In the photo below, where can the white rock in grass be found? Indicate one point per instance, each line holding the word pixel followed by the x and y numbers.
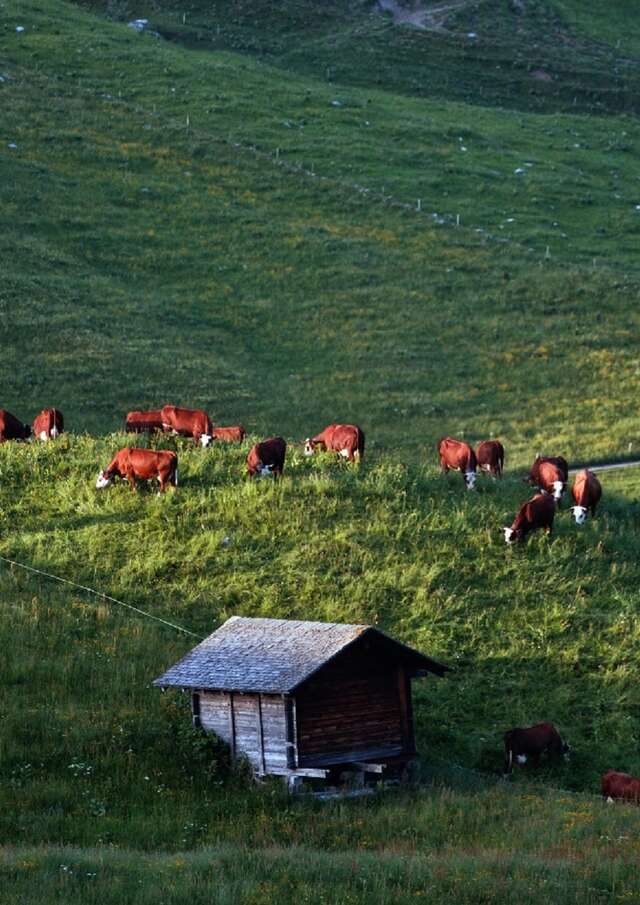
pixel 19 28
pixel 12 145
pixel 519 171
pixel 336 104
pixel 138 24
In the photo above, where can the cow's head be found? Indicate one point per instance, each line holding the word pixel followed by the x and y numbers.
pixel 566 751
pixel 103 480
pixel 512 535
pixel 205 440
pixel 470 479
pixel 557 490
pixel 308 447
pixel 265 471
pixel 580 514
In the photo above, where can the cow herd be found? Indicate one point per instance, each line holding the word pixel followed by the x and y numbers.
pixel 267 458
pixel 549 474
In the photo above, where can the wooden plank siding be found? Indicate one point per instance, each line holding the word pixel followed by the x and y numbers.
pixel 253 725
pixel 355 708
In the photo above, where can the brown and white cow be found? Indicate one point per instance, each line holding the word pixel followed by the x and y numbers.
pixel 345 439
pixel 143 422
pixel 550 473
pixel 520 745
pixel 621 786
pixel 48 425
pixel 11 428
pixel 187 423
pixel 458 456
pixel 233 434
pixel 266 459
pixel 490 456
pixel 538 512
pixel 141 464
pixel 586 492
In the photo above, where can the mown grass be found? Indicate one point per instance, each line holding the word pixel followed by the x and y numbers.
pixel 149 258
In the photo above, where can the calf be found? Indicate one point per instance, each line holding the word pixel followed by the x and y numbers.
pixel 187 423
pixel 143 464
pixel 533 742
pixel 458 456
pixel 621 786
pixel 267 458
pixel 550 474
pixel 586 492
pixel 490 456
pixel 538 512
pixel 235 434
pixel 143 422
pixel 48 425
pixel 345 439
pixel 11 428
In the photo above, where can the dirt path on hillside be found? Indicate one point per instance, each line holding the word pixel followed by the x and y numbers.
pixel 606 466
pixel 432 18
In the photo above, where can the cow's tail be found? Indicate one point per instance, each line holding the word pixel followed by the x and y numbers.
pixel 360 450
pixel 501 461
pixel 508 754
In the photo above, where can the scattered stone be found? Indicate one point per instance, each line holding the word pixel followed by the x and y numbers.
pixel 519 171
pixel 337 104
pixel 12 145
pixel 541 75
pixel 19 28
pixel 472 35
pixel 138 24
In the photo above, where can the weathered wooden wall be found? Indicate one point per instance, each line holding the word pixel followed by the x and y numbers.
pixel 357 707
pixel 253 725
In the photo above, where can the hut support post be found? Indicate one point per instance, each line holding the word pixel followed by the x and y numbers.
pixel 232 728
pixel 263 765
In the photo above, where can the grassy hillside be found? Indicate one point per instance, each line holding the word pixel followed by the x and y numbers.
pixel 297 214
pixel 198 227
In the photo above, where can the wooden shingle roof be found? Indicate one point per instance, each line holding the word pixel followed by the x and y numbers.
pixel 275 655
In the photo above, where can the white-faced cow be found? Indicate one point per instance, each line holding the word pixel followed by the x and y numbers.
pixel 48 425
pixel 521 745
pixel 344 439
pixel 458 456
pixel 586 492
pixel 266 459
pixel 490 456
pixel 621 786
pixel 187 423
pixel 143 465
pixel 550 474
pixel 11 428
pixel 538 512
pixel 143 422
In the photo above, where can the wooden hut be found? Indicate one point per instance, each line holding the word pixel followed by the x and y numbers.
pixel 301 698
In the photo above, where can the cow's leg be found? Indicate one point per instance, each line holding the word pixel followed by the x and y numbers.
pixel 130 476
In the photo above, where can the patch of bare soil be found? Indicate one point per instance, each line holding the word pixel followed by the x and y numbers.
pixel 432 18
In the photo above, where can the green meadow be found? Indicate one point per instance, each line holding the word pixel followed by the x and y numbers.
pixel 291 214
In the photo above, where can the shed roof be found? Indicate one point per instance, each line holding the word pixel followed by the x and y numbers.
pixel 275 655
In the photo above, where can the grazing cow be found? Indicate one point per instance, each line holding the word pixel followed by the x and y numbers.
pixel 620 785
pixel 538 512
pixel 458 456
pixel 522 744
pixel 267 458
pixel 143 422
pixel 187 423
pixel 345 439
pixel 235 434
pixel 490 456
pixel 11 428
pixel 586 492
pixel 143 464
pixel 549 473
pixel 48 425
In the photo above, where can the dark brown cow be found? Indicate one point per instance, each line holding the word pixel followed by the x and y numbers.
pixel 538 512
pixel 141 464
pixel 234 434
pixel 522 744
pixel 11 428
pixel 458 456
pixel 490 456
pixel 267 458
pixel 620 786
pixel 187 423
pixel 586 492
pixel 345 439
pixel 550 473
pixel 143 422
pixel 48 425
